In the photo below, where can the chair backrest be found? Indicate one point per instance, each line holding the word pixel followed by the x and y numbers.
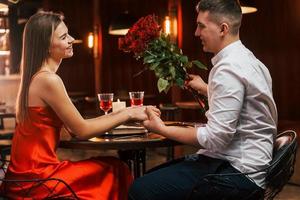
pixel 282 165
pixel 49 188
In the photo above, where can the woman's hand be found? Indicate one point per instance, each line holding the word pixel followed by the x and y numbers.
pixel 153 123
pixel 139 113
pixel 197 83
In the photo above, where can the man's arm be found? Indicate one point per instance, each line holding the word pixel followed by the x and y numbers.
pixel 225 103
pixel 180 134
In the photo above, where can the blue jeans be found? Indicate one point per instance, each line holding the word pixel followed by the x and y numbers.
pixel 184 179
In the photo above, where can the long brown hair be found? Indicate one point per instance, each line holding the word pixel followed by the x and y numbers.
pixel 36 43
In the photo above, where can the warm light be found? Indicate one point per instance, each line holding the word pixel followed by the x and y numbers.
pixel 174 29
pixel 96 41
pixel 121 24
pixel 3 30
pixel 248 9
pixel 4 53
pixel 77 41
pixel 3 8
pixel 167 26
pixel 91 40
pixel 119 31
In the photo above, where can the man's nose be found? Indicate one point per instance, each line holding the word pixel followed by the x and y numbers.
pixel 197 32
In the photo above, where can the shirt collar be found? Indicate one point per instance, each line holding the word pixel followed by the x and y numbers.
pixel 225 51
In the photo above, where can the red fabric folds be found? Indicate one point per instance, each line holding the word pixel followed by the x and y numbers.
pixel 33 155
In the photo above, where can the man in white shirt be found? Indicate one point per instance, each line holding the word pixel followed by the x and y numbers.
pixel 241 126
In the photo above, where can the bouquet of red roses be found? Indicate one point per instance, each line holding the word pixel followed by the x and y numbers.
pixel 146 41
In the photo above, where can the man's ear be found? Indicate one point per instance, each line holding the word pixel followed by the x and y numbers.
pixel 224 29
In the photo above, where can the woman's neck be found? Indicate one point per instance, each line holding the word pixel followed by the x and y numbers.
pixel 50 65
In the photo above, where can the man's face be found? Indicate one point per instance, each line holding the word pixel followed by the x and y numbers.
pixel 209 32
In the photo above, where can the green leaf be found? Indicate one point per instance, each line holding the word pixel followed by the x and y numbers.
pixel 162 84
pixel 149 59
pixel 167 88
pixel 184 59
pixel 172 71
pixel 199 64
pixel 180 82
pixel 188 65
pixel 158 72
pixel 154 65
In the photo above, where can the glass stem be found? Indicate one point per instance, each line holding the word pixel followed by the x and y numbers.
pixel 105 112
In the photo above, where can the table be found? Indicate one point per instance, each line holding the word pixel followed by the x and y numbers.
pixel 5 113
pixel 131 148
pixel 193 105
pixel 6 133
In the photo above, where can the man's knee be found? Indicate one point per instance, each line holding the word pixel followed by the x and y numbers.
pixel 136 190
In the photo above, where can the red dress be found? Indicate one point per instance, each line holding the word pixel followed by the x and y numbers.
pixel 33 156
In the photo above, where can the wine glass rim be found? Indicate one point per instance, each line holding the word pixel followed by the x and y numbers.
pixel 105 93
pixel 137 92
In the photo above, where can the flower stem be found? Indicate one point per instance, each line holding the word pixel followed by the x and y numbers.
pixel 140 72
pixel 201 99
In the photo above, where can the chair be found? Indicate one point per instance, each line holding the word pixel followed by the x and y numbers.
pixel 48 186
pixel 278 172
pixel 6 133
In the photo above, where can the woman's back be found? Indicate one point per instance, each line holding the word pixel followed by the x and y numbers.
pixel 35 142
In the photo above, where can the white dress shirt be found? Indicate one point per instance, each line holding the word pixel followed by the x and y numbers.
pixel 242 115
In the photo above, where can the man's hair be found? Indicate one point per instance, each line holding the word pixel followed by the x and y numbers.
pixel 228 11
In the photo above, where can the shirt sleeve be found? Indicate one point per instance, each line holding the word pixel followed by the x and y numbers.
pixel 225 103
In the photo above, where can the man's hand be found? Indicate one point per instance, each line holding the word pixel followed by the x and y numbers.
pixel 153 123
pixel 140 114
pixel 197 83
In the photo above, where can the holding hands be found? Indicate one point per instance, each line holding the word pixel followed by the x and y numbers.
pixel 139 113
pixel 153 122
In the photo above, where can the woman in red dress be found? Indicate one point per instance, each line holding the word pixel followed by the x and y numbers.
pixel 43 107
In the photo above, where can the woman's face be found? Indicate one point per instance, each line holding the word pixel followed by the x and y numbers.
pixel 61 43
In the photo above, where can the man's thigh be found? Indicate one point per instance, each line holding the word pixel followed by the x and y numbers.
pixel 172 182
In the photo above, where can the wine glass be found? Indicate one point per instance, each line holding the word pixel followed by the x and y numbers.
pixel 105 101
pixel 136 98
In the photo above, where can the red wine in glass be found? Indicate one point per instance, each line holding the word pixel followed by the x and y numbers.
pixel 136 102
pixel 105 101
pixel 105 105
pixel 136 98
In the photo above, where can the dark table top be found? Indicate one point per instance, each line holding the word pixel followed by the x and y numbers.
pixel 128 142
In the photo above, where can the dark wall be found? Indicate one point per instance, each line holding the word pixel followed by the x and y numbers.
pixel 76 72
pixel 271 33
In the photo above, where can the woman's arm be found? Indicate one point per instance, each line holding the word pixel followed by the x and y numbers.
pixel 53 93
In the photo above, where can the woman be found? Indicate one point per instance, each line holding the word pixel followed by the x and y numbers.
pixel 43 106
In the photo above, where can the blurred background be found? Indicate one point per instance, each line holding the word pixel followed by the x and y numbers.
pixel 271 33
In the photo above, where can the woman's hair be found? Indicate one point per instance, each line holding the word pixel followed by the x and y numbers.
pixel 37 37
pixel 229 10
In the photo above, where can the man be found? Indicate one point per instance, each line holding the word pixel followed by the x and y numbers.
pixel 241 126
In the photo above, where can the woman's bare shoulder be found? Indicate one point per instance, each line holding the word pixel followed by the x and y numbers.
pixel 47 79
